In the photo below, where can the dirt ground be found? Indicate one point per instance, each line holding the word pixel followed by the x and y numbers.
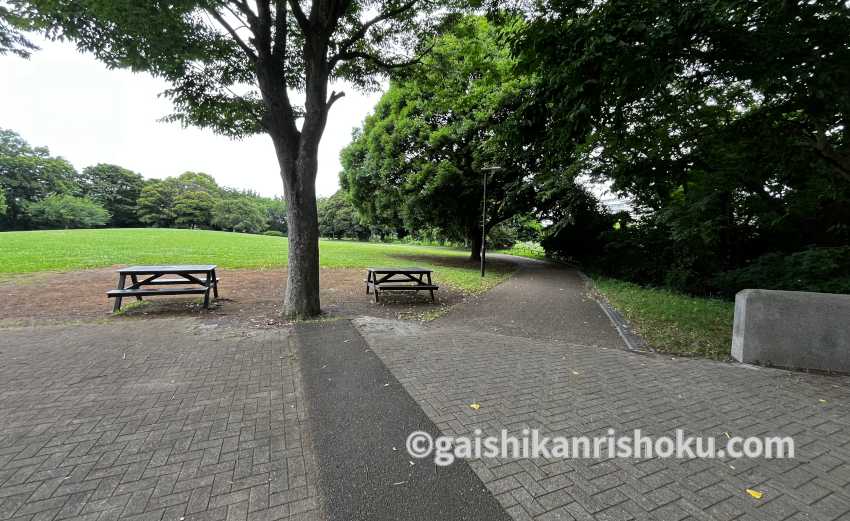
pixel 247 296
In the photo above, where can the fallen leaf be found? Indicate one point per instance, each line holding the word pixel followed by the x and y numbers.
pixel 822 400
pixel 474 406
pixel 755 493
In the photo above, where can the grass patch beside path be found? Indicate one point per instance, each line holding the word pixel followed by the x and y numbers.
pixel 68 250
pixel 673 322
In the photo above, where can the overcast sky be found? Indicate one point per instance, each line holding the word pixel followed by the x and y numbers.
pixel 88 114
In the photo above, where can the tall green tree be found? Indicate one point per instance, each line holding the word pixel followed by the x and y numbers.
pixel 422 154
pixel 156 202
pixel 194 208
pixel 3 206
pixel 239 214
pixel 66 211
pixel 116 189
pixel 232 66
pixel 338 218
pixel 29 174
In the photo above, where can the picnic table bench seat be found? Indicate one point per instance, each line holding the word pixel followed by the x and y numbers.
pixel 399 279
pixel 194 279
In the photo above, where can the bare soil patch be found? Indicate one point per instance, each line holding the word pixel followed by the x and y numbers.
pixel 247 296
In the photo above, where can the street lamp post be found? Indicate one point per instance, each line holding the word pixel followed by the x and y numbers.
pixel 486 169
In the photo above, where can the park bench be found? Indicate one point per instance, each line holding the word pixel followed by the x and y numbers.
pixel 194 279
pixel 399 279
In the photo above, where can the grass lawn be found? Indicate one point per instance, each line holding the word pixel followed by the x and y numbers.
pixel 67 250
pixel 672 322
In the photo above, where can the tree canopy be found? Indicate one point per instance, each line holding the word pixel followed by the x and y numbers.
pixel 725 122
pixel 116 189
pixel 420 158
pixel 29 174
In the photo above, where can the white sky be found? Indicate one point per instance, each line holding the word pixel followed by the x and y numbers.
pixel 88 114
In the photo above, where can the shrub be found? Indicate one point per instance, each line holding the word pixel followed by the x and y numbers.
pixel 825 270
pixel 66 211
pixel 274 233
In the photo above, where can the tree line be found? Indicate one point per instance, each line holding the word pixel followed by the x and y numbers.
pixel 41 191
pixel 725 124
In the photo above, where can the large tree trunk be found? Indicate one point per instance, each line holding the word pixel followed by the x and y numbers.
pixel 302 282
pixel 298 172
pixel 475 240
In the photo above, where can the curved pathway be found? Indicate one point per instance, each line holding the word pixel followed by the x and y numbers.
pixel 537 352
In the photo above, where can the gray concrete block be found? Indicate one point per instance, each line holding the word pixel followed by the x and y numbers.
pixel 793 329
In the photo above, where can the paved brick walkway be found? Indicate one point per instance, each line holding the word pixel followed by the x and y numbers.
pixel 566 388
pixel 185 422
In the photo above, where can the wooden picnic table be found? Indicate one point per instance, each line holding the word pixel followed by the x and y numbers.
pixel 399 279
pixel 194 279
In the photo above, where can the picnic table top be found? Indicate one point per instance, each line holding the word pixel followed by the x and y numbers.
pixel 399 270
pixel 174 268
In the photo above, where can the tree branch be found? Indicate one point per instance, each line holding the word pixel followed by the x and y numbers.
pixel 244 46
pixel 355 55
pixel 334 96
pixel 302 19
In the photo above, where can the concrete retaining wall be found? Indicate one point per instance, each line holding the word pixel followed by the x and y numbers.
pixel 792 329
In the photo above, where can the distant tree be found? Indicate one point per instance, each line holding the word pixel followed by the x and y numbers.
pixel 3 206
pixel 338 218
pixel 116 189
pixel 275 213
pixel 67 211
pixel 156 202
pixel 193 208
pixel 198 182
pixel 29 174
pixel 239 214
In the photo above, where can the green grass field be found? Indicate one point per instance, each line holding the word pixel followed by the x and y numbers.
pixel 673 322
pixel 67 250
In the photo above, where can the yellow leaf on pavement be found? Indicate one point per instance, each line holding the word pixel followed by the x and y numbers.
pixel 755 493
pixel 474 406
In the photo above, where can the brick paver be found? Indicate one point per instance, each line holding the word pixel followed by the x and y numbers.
pixel 572 389
pixel 152 420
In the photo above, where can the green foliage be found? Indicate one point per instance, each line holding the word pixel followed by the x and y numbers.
pixel 12 40
pixel 156 202
pixel 420 158
pixel 825 270
pixel 3 206
pixel 66 211
pixel 338 218
pixel 724 122
pixel 275 210
pixel 116 189
pixel 274 233
pixel 239 214
pixel 28 175
pixel 193 208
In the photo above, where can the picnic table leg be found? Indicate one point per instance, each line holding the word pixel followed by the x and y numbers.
pixel 368 280
pixel 135 282
pixel 122 278
pixel 432 291
pixel 215 284
pixel 207 292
